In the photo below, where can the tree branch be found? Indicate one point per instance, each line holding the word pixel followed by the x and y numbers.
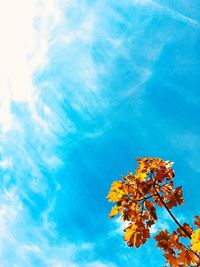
pixel 176 221
pixel 171 214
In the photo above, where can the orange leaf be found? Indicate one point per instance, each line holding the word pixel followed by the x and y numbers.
pixel 197 221
pixel 187 228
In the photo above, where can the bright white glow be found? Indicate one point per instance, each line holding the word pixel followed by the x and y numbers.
pixel 24 36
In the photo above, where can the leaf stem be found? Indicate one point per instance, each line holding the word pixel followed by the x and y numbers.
pixel 145 198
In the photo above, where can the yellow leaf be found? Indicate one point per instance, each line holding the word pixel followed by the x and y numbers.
pixel 116 185
pixel 196 241
pixel 129 231
pixel 140 176
pixel 114 211
pixel 115 193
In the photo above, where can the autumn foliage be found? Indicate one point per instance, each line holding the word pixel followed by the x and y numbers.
pixel 136 197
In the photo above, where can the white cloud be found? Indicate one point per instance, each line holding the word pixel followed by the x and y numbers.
pixel 84 33
pixel 29 243
pixel 22 50
pixel 53 162
pixel 6 163
pixel 119 226
pixel 160 225
pixel 17 37
pixel 26 35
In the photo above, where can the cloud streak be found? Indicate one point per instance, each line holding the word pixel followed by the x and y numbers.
pixel 170 12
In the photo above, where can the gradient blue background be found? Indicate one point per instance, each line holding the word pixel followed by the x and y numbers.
pixel 121 80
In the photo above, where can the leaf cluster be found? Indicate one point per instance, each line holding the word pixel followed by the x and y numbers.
pixel 136 197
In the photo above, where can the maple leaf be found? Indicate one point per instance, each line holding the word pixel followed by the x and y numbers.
pixel 136 234
pixel 187 229
pixel 195 241
pixel 197 221
pixel 178 195
pixel 174 198
pixel 172 260
pixel 141 176
pixel 162 238
pixel 116 192
pixel 129 231
pixel 114 212
pixel 152 211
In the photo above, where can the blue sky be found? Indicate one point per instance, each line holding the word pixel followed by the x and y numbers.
pixel 86 87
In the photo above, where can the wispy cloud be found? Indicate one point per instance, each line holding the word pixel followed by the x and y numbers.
pixel 170 12
pixel 188 143
pixel 6 163
pixel 26 33
pixel 31 126
pixel 30 243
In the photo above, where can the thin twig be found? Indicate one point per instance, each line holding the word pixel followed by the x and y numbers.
pixel 176 221
pixel 171 214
